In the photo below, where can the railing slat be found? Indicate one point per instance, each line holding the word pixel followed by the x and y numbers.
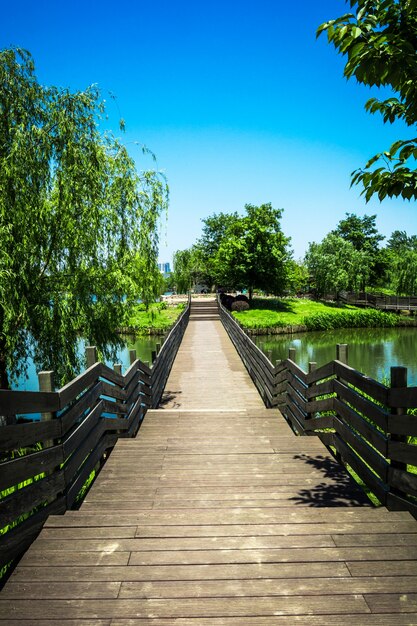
pixel 25 467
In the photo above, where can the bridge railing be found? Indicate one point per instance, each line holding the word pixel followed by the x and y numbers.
pixel 379 301
pixel 45 463
pixel 371 428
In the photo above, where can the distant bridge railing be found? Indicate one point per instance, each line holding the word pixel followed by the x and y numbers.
pixel 379 301
pixel 44 464
pixel 369 427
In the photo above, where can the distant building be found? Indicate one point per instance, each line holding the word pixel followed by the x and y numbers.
pixel 164 268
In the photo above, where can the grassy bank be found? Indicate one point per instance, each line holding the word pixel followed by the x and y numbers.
pixel 156 320
pixel 268 313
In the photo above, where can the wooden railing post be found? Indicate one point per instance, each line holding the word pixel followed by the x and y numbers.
pixel 90 355
pixel 132 356
pixel 312 365
pixel 342 353
pixel 291 354
pixel 117 368
pixel 398 380
pixel 46 383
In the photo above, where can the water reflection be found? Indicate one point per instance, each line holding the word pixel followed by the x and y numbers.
pixel 143 346
pixel 371 350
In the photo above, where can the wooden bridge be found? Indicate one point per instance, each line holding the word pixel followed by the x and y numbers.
pixel 216 513
pixel 380 301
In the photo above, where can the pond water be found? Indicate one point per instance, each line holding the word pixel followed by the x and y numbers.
pixel 143 346
pixel 371 350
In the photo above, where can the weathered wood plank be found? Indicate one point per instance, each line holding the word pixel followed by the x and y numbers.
pixel 24 467
pixel 184 607
pixel 242 571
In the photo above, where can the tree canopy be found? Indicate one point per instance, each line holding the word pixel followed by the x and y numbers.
pixel 238 252
pixel 360 231
pixel 335 265
pixel 380 42
pixel 254 251
pixel 78 223
pixel 189 268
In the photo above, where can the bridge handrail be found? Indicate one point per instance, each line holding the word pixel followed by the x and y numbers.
pixel 368 426
pixel 44 464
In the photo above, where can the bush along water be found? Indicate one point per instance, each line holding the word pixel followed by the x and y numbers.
pixel 366 318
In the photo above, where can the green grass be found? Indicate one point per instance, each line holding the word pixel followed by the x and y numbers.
pixel 275 313
pixel 156 319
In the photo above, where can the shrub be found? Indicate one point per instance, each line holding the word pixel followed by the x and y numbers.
pixel 242 298
pixel 366 318
pixel 227 301
pixel 240 305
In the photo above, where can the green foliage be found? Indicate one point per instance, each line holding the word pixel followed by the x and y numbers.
pixel 188 268
pixel 78 224
pixel 364 236
pixel 157 318
pixel 215 229
pixel 360 231
pixel 364 318
pixel 380 41
pixel 274 312
pixel 335 265
pixel 406 272
pixel 400 242
pixel 240 305
pixel 253 253
pixel 297 276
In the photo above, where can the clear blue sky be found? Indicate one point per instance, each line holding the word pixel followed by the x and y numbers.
pixel 238 101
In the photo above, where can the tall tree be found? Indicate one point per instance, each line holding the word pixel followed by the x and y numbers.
pixel 401 251
pixel 406 272
pixel 189 268
pixel 254 251
pixel 74 215
pixel 360 231
pixel 400 241
pixel 364 236
pixel 335 265
pixel 215 228
pixel 380 42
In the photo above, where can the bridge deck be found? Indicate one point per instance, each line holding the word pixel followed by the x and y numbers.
pixel 216 514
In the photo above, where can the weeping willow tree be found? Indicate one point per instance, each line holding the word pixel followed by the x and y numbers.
pixel 78 224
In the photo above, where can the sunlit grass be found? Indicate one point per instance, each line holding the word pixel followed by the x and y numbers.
pixel 275 313
pixel 156 319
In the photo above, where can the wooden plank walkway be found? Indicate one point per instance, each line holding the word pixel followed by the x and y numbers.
pixel 216 514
